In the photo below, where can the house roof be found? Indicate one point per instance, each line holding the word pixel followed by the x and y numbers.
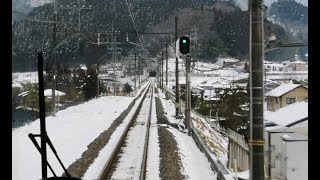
pixel 15 84
pixel 294 137
pixel 281 90
pixel 48 93
pixel 290 115
pixel 301 128
pixel 197 88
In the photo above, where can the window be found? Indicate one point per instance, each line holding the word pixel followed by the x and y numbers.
pixel 290 100
pixel 277 100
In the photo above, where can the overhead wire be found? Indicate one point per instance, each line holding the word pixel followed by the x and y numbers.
pixel 133 21
pixel 38 20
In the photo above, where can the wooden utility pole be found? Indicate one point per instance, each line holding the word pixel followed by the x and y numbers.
pixel 177 69
pixel 166 89
pixel 166 65
pixel 162 70
pixel 256 91
pixel 54 64
pixel 135 70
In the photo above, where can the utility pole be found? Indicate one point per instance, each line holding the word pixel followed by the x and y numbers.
pixel 139 64
pixel 162 70
pixel 188 94
pixel 177 69
pixel 159 67
pixel 135 70
pixel 54 42
pixel 256 91
pixel 114 49
pixel 166 65
pixel 55 12
pixel 98 63
pixel 78 8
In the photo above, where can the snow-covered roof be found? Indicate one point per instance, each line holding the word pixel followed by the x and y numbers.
pixel 267 62
pixel 23 94
pixel 301 128
pixel 83 68
pixel 207 86
pixel 228 59
pixel 15 84
pixel 278 129
pixel 48 92
pixel 289 114
pixel 294 136
pixel 197 88
pixel 298 62
pixel 281 90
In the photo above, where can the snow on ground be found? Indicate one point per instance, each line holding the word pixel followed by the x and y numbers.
pixel 70 131
pixel 218 143
pixel 194 162
pixel 98 164
pixel 215 141
pixel 25 77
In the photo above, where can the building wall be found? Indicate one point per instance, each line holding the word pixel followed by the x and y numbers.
pixel 298 67
pixel 273 103
pixel 300 94
pixel 275 145
pixel 295 160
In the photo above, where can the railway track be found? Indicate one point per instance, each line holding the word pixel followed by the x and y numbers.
pixel 128 160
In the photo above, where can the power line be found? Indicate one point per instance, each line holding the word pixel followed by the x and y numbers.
pixel 38 20
pixel 133 21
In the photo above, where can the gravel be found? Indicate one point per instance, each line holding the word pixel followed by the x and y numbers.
pixel 170 162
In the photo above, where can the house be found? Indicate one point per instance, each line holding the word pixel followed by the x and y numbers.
pixel 197 91
pixel 282 145
pixel 271 85
pixel 285 139
pixel 58 94
pixel 16 88
pixel 285 94
pixel 298 65
pixel 206 86
pixel 210 95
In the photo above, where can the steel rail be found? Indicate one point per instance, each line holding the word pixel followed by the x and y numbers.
pixel 108 165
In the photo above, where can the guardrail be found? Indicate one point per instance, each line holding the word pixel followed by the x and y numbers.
pixel 222 172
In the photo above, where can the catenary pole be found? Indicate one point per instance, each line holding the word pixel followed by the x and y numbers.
pixel 256 141
pixel 54 64
pixel 162 70
pixel 177 69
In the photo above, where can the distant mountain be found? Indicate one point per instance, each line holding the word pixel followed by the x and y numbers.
pixel 219 28
pixel 292 15
pixel 25 6
pixel 243 4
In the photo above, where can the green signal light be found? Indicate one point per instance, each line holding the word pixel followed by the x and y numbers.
pixel 184 41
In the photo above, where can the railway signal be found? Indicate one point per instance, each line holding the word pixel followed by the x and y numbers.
pixel 184 44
